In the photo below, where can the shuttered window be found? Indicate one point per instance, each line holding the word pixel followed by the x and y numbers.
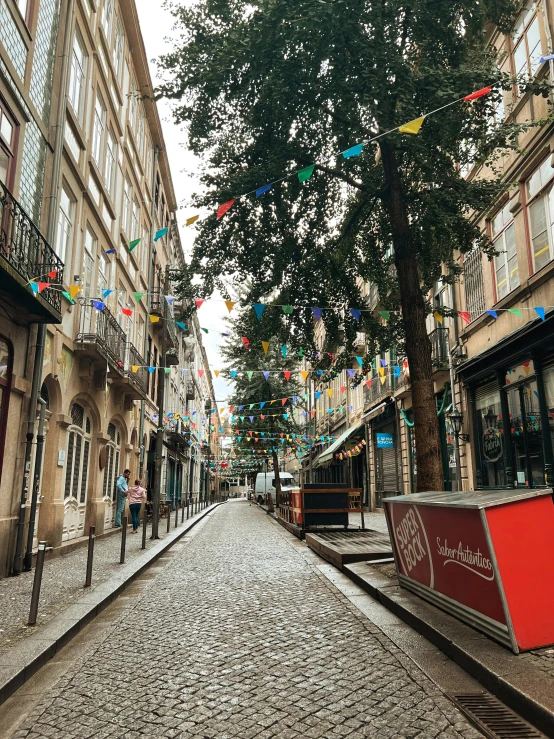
pixel 78 455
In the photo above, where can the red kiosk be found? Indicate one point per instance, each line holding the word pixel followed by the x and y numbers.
pixel 485 557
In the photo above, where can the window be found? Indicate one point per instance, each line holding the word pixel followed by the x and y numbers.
pixel 78 455
pixel 24 7
pixel 90 248
pixel 111 472
pixel 140 133
pixel 121 296
pixel 540 210
pixel 104 280
pixel 135 225
pixel 144 251
pixel 474 284
pixel 106 20
pixel 127 200
pixel 109 168
pixel 6 357
pixel 506 268
pixel 65 226
pixel 77 76
pixel 526 42
pixel 140 335
pixel 98 129
pixel 133 94
pixel 118 49
pixel 8 132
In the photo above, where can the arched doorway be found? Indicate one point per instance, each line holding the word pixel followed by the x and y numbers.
pixel 79 439
pixel 111 472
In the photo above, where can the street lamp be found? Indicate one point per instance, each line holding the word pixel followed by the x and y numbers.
pixel 456 419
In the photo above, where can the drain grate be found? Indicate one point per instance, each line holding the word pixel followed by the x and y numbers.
pixel 492 717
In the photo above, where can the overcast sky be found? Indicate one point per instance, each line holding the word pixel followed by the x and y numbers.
pixel 156 24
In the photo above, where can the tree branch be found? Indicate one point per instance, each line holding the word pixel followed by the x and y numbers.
pixel 342 176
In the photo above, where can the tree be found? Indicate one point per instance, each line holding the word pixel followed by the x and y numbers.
pixel 262 406
pixel 267 88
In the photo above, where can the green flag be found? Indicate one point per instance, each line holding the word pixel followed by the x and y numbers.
pixel 287 309
pixel 132 244
pixel 384 314
pixel 516 312
pixel 167 370
pixel 138 296
pixel 305 174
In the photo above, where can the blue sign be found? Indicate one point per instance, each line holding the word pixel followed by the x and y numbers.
pixel 385 441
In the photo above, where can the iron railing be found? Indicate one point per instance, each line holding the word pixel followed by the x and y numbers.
pixel 474 284
pixel 138 379
pixel 439 347
pixel 25 249
pixel 101 330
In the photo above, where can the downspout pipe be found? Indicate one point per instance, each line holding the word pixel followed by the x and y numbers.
pixel 28 561
pixel 55 185
pixel 150 282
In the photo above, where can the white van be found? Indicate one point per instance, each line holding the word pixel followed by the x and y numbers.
pixel 265 484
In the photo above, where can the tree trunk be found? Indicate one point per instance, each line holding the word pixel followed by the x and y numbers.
pixel 275 460
pixel 418 345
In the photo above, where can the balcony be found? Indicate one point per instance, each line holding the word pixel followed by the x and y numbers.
pixel 138 381
pixel 190 390
pixel 159 307
pixel 24 256
pixel 439 348
pixel 101 339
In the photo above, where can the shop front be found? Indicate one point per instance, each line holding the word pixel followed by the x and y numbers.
pixel 386 454
pixel 510 391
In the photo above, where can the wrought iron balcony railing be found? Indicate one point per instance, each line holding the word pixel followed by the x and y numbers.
pixel 439 347
pixel 25 249
pixel 139 378
pixel 99 331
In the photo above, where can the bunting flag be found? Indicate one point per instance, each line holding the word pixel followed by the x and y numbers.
pixel 230 305
pixel 262 190
pixel 245 342
pixel 105 293
pixel 287 309
pixel 182 326
pixel 492 313
pixel 74 289
pixel 266 375
pixel 154 319
pixel 284 351
pixel 317 313
pixel 169 299
pixel 161 233
pixel 383 362
pixel 368 383
pixel 351 372
pixel 167 370
pixel 98 304
pixel 305 174
pixel 287 375
pixel 464 315
pixel 330 392
pixel 383 380
pixel 200 372
pixel 52 274
pixel 265 347
pixel 259 309
pixel 67 296
pixel 540 313
pixel 199 304
pixel 205 330
pixel 134 368
pixel 216 373
pixel 354 151
pixel 233 374
pixel 138 296
pixel 224 208
pixel 133 244
pixel 515 311
pixel 438 316
pixel 304 375
pixel 283 401
pixel 412 126
pixel 479 93
pixel 191 220
pixel 127 312
pixel 110 251
pixel 356 313
pixel 360 361
pixel 250 373
pixel 151 369
pixel 384 314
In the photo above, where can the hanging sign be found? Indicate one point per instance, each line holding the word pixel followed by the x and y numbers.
pixel 385 441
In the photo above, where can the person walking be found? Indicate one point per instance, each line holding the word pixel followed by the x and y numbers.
pixel 121 485
pixel 136 495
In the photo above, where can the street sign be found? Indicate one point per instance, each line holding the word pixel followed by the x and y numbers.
pixel 385 441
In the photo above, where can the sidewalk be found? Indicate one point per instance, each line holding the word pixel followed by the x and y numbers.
pixel 65 605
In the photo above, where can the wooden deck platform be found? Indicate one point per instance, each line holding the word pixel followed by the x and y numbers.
pixel 343 547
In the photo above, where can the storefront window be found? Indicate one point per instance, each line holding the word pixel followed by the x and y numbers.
pixel 490 436
pixel 526 434
pixel 548 376
pixel 5 378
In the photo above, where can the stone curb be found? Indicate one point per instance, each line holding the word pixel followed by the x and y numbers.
pixel 21 662
pixel 527 689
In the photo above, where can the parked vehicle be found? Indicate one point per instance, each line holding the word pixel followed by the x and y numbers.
pixel 265 485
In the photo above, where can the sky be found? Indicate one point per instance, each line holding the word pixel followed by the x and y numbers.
pixel 156 24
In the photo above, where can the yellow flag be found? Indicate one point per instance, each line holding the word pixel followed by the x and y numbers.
pixel 74 289
pixel 154 319
pixel 330 392
pixel 191 220
pixel 382 380
pixel 438 316
pixel 134 368
pixel 412 126
pixel 272 402
pixel 230 305
pixel 304 375
pixel 265 346
pixel 216 373
pixel 382 371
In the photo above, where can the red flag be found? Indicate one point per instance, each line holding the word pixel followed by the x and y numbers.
pixel 127 311
pixel 464 315
pixel 53 273
pixel 231 408
pixel 200 372
pixel 343 388
pixel 287 375
pixel 283 401
pixel 224 208
pixel 42 285
pixel 477 94
pixel 199 303
pixel 262 417
pixel 246 342
pixel 368 383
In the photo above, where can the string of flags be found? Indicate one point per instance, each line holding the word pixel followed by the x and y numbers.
pixel 412 127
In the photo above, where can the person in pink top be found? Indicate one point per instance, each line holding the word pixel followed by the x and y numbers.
pixel 135 495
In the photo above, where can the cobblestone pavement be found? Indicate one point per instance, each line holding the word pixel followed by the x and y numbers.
pixel 62 583
pixel 240 636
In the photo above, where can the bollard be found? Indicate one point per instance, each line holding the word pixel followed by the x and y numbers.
pixel 90 555
pixel 176 513
pixel 168 518
pixel 182 511
pixel 123 539
pixel 144 524
pixel 37 583
pixel 187 509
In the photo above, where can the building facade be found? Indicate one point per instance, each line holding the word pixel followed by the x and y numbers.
pixel 88 237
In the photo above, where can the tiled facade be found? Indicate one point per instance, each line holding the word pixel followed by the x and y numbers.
pixel 114 187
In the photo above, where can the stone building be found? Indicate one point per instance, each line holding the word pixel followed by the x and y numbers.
pixel 83 176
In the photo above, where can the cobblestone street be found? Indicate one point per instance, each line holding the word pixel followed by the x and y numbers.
pixel 240 636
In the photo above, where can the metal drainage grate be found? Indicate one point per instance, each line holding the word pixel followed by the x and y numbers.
pixel 492 717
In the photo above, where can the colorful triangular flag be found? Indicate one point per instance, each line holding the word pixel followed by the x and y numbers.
pixel 354 151
pixel 191 220
pixel 133 244
pixel 161 233
pixel 224 208
pixel 412 126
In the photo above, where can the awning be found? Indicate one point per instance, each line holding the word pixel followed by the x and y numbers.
pixel 327 455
